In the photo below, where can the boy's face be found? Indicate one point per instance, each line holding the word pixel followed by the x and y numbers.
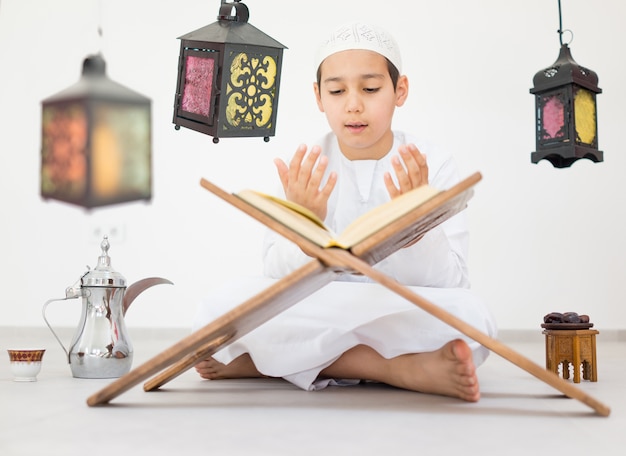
pixel 358 97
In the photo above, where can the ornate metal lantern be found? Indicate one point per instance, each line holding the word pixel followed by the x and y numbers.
pixel 96 142
pixel 228 78
pixel 566 112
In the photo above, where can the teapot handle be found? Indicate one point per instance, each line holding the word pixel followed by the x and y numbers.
pixel 43 311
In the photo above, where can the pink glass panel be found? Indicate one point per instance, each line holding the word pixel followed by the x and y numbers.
pixel 553 119
pixel 198 85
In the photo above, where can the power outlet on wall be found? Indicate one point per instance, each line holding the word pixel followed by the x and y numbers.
pixel 116 233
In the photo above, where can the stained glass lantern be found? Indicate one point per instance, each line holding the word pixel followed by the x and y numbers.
pixel 96 142
pixel 228 78
pixel 566 114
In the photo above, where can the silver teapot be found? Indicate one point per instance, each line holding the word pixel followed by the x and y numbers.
pixel 101 347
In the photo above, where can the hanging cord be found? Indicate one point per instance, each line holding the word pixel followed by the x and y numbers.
pixel 99 28
pixel 560 31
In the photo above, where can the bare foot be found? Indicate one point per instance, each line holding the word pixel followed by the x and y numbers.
pixel 240 367
pixel 449 371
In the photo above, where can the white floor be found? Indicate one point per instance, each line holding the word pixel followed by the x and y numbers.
pixel 517 414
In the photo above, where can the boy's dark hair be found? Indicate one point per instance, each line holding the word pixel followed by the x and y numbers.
pixel 393 73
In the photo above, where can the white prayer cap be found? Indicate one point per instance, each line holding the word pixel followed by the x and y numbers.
pixel 359 35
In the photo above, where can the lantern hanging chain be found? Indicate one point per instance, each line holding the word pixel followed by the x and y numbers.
pixel 560 31
pixel 100 33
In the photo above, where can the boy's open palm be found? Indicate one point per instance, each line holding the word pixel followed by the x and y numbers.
pixel 302 178
pixel 411 170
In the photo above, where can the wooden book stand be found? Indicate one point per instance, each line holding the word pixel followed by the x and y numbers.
pixel 325 266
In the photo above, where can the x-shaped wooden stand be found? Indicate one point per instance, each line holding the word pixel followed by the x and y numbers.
pixel 325 266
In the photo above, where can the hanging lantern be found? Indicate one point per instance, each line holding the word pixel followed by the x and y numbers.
pixel 96 142
pixel 566 113
pixel 228 78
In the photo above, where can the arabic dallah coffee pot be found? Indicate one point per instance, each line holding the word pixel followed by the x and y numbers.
pixel 101 347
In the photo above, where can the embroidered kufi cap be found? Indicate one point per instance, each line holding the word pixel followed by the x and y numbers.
pixel 359 35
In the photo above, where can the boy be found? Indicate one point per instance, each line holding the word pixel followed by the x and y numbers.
pixel 349 332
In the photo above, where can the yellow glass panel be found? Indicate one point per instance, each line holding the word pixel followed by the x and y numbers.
pixel 121 152
pixel 585 116
pixel 251 91
pixel 107 162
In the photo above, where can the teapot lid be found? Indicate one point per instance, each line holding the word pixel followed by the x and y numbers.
pixel 103 275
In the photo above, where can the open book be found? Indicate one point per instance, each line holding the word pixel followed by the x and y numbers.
pixel 307 224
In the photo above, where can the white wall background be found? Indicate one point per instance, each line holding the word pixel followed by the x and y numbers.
pixel 543 239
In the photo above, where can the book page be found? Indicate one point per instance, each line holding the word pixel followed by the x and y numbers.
pixel 290 214
pixel 381 216
pixel 299 209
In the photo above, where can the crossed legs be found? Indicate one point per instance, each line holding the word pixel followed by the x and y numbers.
pixel 448 371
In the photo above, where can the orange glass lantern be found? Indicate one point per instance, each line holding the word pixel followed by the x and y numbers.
pixel 228 78
pixel 96 142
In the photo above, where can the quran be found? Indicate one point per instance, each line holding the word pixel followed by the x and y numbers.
pixel 307 224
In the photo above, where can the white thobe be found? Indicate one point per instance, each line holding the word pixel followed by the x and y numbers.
pixel 300 342
pixel 439 259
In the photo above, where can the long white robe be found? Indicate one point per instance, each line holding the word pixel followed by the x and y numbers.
pixel 306 338
pixel 439 259
pixel 301 341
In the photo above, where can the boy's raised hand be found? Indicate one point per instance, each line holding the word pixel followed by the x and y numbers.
pixel 411 174
pixel 301 180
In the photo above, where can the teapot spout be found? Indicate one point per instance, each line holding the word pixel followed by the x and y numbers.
pixel 136 288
